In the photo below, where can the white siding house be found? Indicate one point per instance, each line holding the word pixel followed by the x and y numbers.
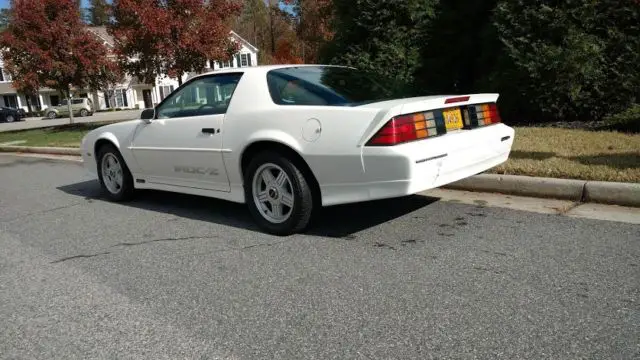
pixel 131 94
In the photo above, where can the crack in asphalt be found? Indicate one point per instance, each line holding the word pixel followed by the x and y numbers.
pixel 126 244
pixel 129 244
pixel 79 257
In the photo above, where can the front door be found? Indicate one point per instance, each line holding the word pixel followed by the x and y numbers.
pixel 146 97
pixel 182 146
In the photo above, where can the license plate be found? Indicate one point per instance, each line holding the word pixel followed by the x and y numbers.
pixel 452 119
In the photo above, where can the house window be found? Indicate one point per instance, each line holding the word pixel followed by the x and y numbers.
pixel 11 101
pixel 245 60
pixel 121 98
pixel 34 100
pixel 4 75
pixel 165 91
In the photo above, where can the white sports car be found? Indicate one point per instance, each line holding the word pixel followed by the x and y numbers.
pixel 288 139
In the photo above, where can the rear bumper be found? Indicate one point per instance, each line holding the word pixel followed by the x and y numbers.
pixel 414 167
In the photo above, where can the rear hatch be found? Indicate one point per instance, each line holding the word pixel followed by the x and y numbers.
pixel 450 137
pixel 403 120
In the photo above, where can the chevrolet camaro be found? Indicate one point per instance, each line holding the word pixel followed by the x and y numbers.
pixel 288 139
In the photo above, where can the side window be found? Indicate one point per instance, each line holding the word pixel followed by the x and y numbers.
pixel 296 91
pixel 205 96
pixel 77 101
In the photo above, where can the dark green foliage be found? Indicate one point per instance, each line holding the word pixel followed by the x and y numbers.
pixel 577 60
pixel 549 60
pixel 380 36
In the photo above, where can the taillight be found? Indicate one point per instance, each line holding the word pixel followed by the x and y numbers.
pixel 405 128
pixel 487 114
pixel 411 127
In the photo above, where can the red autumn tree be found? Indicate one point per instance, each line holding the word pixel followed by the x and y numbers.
pixel 172 37
pixel 46 44
pixel 285 53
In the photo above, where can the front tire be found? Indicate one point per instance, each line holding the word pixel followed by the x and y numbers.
pixel 278 195
pixel 84 112
pixel 10 118
pixel 51 115
pixel 114 175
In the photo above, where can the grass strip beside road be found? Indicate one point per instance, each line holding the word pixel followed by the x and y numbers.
pixel 546 152
pixel 69 135
pixel 574 154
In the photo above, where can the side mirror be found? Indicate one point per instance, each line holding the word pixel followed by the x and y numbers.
pixel 148 114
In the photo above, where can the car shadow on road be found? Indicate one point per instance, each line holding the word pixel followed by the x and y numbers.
pixel 340 221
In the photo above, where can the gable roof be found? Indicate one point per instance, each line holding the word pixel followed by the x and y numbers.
pixel 103 34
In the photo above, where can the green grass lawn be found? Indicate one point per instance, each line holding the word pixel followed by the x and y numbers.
pixel 59 136
pixel 548 152
pixel 574 154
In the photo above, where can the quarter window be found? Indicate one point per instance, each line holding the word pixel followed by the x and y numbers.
pixel 204 96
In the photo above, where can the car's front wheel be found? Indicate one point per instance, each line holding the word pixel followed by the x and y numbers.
pixel 51 115
pixel 114 175
pixel 278 195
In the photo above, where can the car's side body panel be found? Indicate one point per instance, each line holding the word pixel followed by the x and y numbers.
pixel 331 140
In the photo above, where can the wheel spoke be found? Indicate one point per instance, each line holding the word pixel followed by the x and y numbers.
pixel 281 179
pixel 287 199
pixel 267 177
pixel 263 196
pixel 276 209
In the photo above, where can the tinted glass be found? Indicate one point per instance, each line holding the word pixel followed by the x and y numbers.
pixel 204 96
pixel 77 101
pixel 325 85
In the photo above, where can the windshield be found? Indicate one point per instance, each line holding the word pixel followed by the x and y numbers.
pixel 326 85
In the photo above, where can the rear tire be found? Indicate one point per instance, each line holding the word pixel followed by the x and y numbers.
pixel 281 203
pixel 51 115
pixel 10 119
pixel 115 178
pixel 84 112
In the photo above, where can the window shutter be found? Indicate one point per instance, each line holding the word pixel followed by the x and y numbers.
pixel 124 97
pixel 161 92
pixel 249 59
pixel 238 60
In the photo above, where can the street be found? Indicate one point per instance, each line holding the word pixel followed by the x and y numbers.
pixel 171 276
pixel 34 123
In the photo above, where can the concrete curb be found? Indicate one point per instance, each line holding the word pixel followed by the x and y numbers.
pixel 624 194
pixel 40 150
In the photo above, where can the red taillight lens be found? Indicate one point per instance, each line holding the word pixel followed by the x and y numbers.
pixel 405 128
pixel 487 114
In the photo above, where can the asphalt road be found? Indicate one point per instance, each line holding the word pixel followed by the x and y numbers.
pixel 34 123
pixel 169 276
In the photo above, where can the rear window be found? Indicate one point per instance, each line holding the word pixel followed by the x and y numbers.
pixel 325 86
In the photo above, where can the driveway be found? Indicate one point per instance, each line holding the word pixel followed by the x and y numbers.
pixel 169 276
pixel 34 123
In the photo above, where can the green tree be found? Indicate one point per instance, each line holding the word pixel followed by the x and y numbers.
pixel 573 60
pixel 380 36
pixel 99 12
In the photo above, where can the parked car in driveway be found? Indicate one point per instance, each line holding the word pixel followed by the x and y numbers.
pixel 288 139
pixel 8 114
pixel 79 106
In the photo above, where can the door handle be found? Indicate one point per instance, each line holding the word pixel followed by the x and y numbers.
pixel 209 130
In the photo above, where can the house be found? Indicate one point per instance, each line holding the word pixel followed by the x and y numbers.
pixel 131 93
